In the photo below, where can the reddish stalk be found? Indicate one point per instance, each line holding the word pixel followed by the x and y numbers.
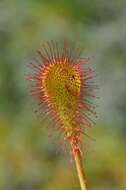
pixel 80 170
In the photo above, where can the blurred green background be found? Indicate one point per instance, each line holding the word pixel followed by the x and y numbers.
pixel 28 156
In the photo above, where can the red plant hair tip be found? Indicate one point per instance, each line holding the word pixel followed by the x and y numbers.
pixel 62 85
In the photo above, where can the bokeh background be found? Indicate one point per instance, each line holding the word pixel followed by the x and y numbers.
pixel 28 156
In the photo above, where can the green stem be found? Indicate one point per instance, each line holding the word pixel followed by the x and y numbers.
pixel 80 170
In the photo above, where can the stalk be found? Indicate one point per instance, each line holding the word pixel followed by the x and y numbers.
pixel 80 170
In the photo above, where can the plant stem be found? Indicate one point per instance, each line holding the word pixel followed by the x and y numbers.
pixel 80 170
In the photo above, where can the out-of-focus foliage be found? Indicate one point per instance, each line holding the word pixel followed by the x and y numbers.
pixel 28 158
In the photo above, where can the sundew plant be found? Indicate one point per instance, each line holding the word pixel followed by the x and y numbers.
pixel 62 83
